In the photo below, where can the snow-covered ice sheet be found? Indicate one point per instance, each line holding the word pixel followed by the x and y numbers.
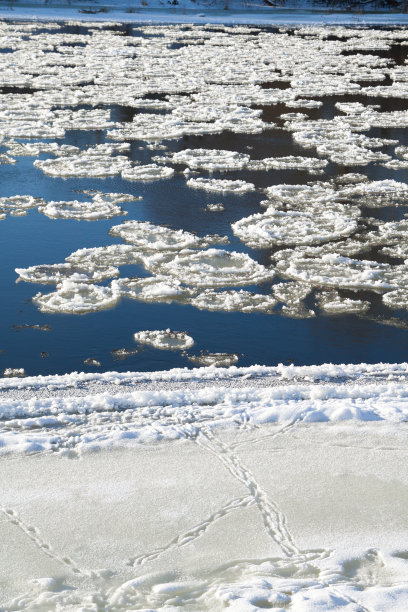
pixel 290 495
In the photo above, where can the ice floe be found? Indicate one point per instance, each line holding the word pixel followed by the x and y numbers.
pixel 333 270
pixel 152 289
pixel 56 273
pixel 149 237
pixel 84 165
pixel 89 211
pixel 209 268
pixel 333 303
pixel 274 228
pixel 242 301
pixel 150 172
pixel 76 298
pixel 165 339
pixel 222 185
pixel 216 360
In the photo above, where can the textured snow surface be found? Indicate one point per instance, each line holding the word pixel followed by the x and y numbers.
pixel 180 508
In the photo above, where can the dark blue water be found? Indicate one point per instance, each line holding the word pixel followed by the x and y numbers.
pixel 380 335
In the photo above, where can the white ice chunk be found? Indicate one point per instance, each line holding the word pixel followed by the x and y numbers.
pixel 165 339
pixel 83 165
pixel 88 211
pixel 333 303
pixel 150 172
pixel 149 237
pixel 216 360
pixel 56 273
pixel 242 301
pixel 210 159
pixel 152 289
pixel 222 185
pixel 278 228
pixel 77 298
pixel 209 268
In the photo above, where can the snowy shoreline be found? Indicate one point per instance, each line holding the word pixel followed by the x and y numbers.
pixel 81 412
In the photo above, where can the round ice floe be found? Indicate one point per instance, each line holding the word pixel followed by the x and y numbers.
pixel 377 193
pixel 152 289
pixel 77 298
pixel 333 270
pixel 292 162
pixel 242 301
pixel 110 198
pixel 396 299
pixel 210 268
pixel 19 205
pixel 210 159
pixel 88 211
pixel 333 303
pixel 83 165
pixel 221 185
pixel 277 228
pixel 149 237
pixel 165 339
pixel 217 360
pixel 150 172
pixel 104 257
pixel 56 273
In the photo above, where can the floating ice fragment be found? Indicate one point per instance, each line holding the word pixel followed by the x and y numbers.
pixel 56 273
pixel 217 360
pixel 88 211
pixel 152 289
pixel 215 207
pixel 291 162
pixel 333 303
pixel 149 237
pixel 77 298
pixel 334 270
pixel 242 301
pixel 19 205
pixel 209 268
pixel 221 185
pixel 150 172
pixel 11 372
pixel 292 296
pixel 122 353
pixel 210 159
pixel 83 165
pixel 92 362
pixel 165 339
pixel 273 227
pixel 396 299
pixel 105 257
